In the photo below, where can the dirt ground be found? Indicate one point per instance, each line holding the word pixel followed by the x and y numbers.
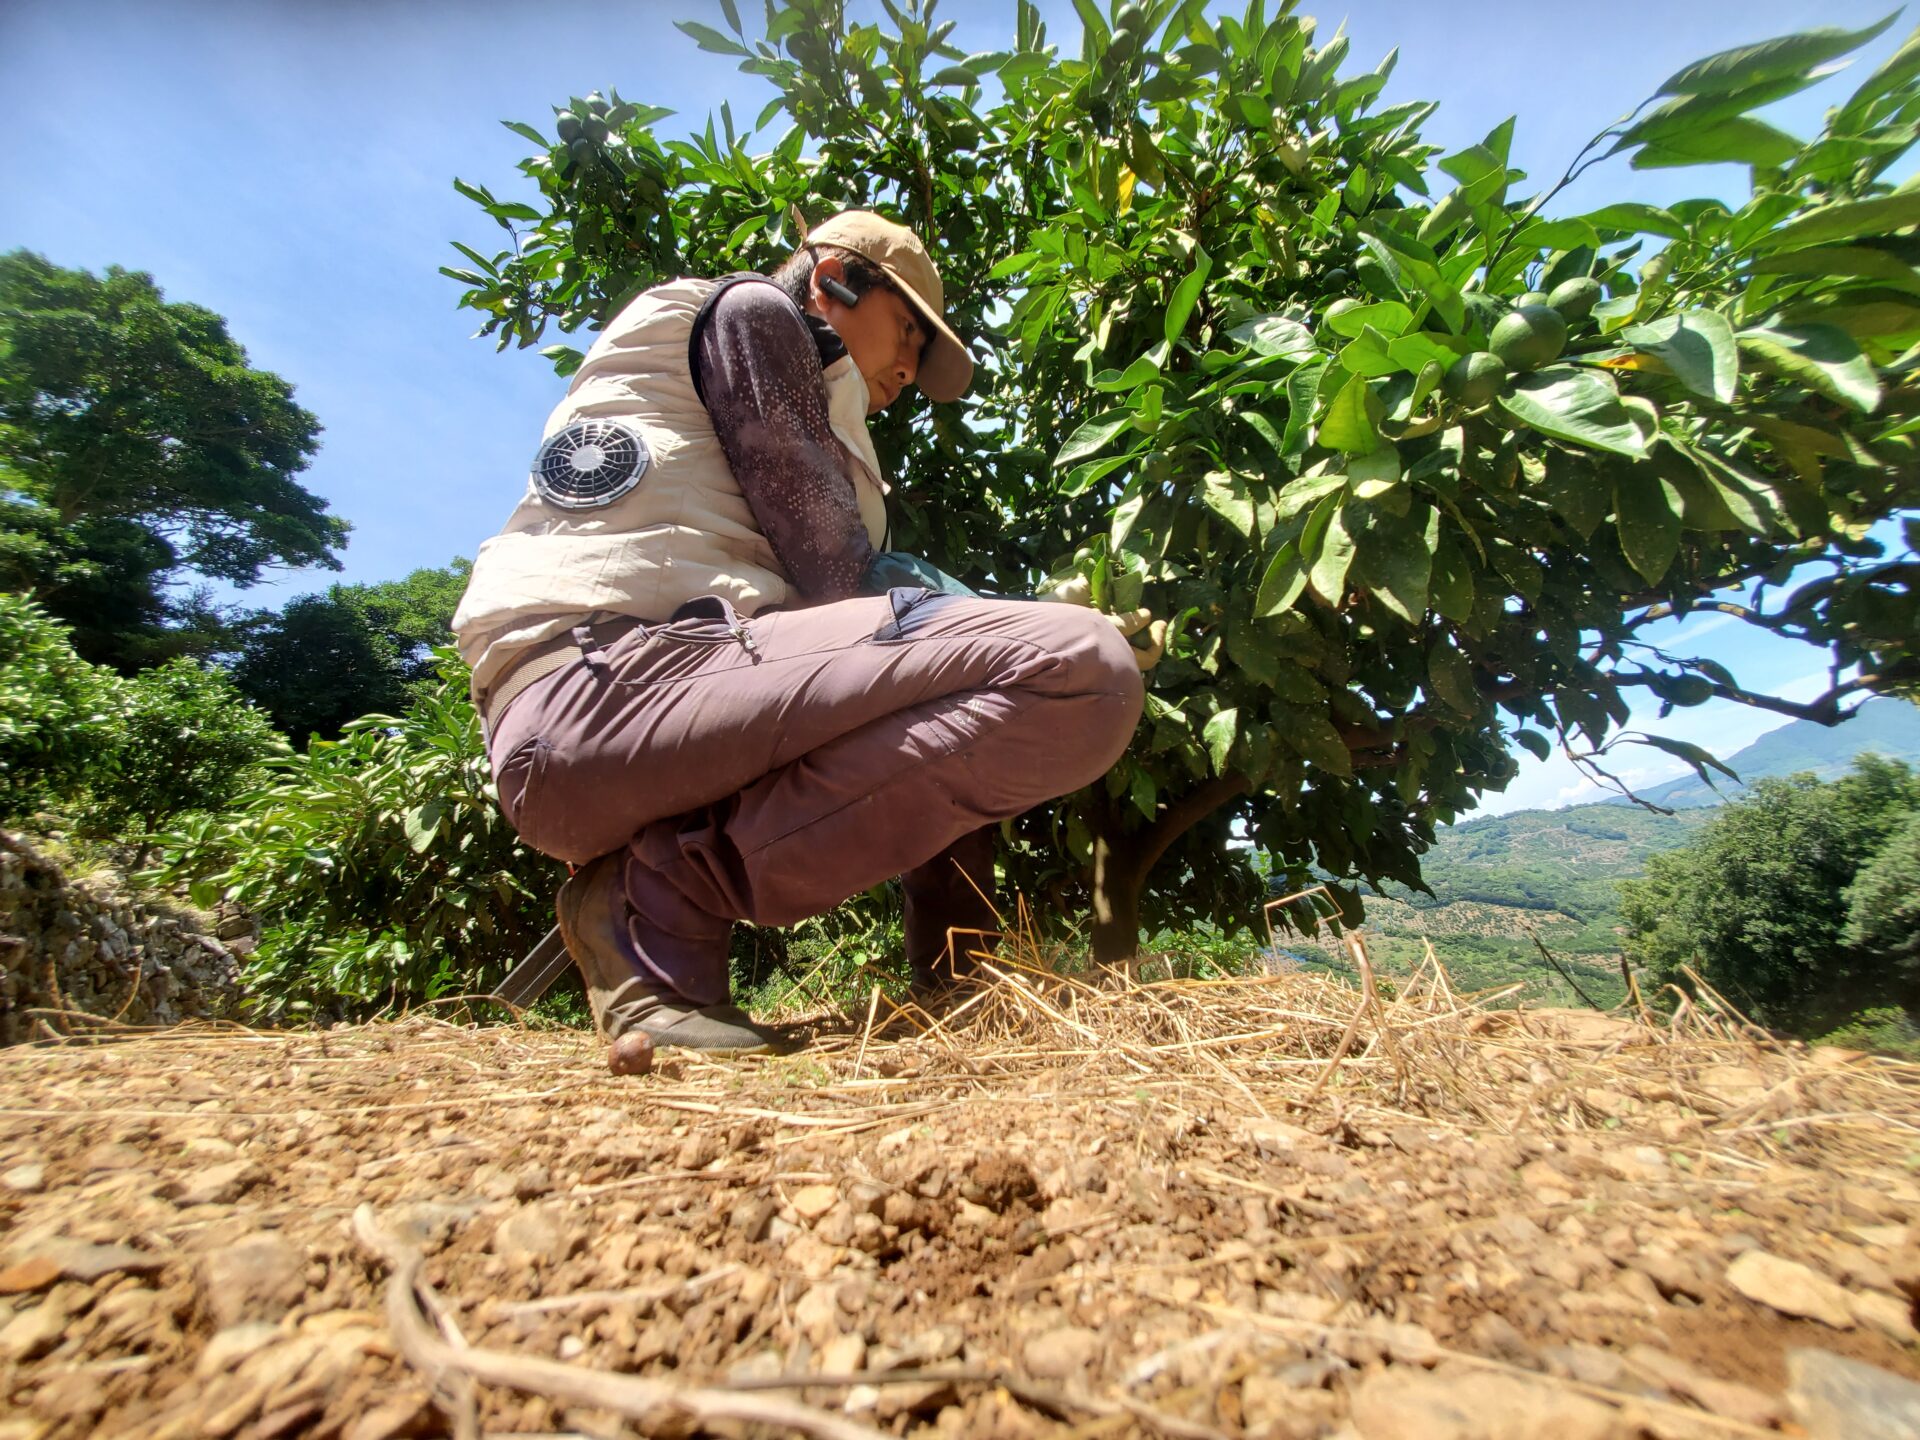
pixel 1158 1211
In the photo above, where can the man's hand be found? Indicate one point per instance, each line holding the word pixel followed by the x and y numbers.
pixel 1078 590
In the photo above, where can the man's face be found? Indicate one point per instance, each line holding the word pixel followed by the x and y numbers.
pixel 882 335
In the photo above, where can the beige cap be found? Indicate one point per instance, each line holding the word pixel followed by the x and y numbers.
pixel 946 369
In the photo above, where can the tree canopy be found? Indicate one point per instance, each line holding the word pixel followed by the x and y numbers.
pixel 325 659
pixel 1796 902
pixel 1407 464
pixel 137 443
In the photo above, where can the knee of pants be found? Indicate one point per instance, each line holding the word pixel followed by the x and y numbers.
pixel 1106 672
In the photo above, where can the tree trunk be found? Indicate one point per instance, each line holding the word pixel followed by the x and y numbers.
pixel 1116 901
pixel 1121 864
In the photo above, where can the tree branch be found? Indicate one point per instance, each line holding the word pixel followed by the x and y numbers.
pixel 1182 815
pixel 1823 711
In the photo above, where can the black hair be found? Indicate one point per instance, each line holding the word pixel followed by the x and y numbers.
pixel 795 275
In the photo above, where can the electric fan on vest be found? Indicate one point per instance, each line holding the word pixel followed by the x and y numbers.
pixel 590 463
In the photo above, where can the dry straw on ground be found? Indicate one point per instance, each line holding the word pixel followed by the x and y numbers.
pixel 1264 1206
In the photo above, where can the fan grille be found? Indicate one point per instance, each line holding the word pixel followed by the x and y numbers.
pixel 590 463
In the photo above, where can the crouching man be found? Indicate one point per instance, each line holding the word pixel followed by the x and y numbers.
pixel 688 691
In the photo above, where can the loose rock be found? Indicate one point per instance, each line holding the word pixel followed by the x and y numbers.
pixel 1839 1399
pixel 1791 1288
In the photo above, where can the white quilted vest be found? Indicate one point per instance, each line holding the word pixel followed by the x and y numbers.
pixel 685 530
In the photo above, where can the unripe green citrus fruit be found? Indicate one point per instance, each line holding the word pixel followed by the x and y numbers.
pixel 1475 379
pixel 1576 298
pixel 1529 338
pixel 1531 297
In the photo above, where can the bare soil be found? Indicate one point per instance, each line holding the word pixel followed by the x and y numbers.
pixel 1160 1210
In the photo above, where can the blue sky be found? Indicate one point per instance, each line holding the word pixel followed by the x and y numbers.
pixel 289 164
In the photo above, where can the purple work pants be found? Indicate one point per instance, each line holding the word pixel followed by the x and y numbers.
pixel 767 769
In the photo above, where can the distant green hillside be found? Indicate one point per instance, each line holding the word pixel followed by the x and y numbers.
pixel 1555 871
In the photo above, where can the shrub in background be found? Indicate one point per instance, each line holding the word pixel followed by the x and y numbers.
pixel 379 864
pixel 56 710
pixel 181 739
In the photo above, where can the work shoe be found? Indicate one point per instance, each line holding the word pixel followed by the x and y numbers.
pixel 592 910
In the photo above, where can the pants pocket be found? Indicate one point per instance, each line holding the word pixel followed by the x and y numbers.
pixel 520 782
pixel 909 605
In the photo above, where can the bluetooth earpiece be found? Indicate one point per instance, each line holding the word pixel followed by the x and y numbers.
pixel 832 287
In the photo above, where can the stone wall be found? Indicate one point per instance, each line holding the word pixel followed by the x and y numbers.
pixel 70 945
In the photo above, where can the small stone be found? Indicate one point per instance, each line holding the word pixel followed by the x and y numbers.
pixel 1455 1403
pixel 29 1275
pixel 810 1202
pixel 1670 1275
pixel 216 1185
pixel 817 1315
pixel 32 1333
pixel 572 1348
pixel 111 1155
pixel 843 1355
pixel 1840 1399
pixel 914 1399
pixel 532 1182
pixel 1880 1311
pixel 532 1236
pixel 230 1346
pixel 28 1179
pixel 261 1277
pixel 1277 1138
pixel 1791 1288
pixel 1063 1354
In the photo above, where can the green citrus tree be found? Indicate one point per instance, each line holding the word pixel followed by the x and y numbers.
pixel 1406 464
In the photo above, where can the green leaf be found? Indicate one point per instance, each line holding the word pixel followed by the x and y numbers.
pixel 1450 678
pixel 1647 512
pixel 954 75
pixel 1741 140
pixel 1226 495
pixel 1126 515
pixel 1328 545
pixel 1572 485
pixel 1749 65
pixel 1451 584
pixel 1847 221
pixel 1534 743
pixel 1303 388
pixel 710 39
pixel 1311 734
pixel 1414 352
pixel 1274 335
pixel 1389 317
pixel 1282 585
pixel 1822 358
pixel 732 14
pixel 1218 736
pixel 1083 477
pixel 1368 355
pixel 1185 295
pixel 1630 216
pixel 1894 71
pixel 1697 345
pixel 1394 560
pixel 1701 760
pixel 527 132
pixel 1092 437
pixel 1854 262
pixel 1352 418
pixel 1575 405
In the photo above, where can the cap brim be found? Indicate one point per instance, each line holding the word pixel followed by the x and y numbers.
pixel 946 366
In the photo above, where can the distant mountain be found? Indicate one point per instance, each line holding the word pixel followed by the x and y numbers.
pixel 1890 728
pixel 1500 882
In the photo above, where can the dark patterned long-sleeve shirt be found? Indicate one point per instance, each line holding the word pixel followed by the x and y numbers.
pixel 757 364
